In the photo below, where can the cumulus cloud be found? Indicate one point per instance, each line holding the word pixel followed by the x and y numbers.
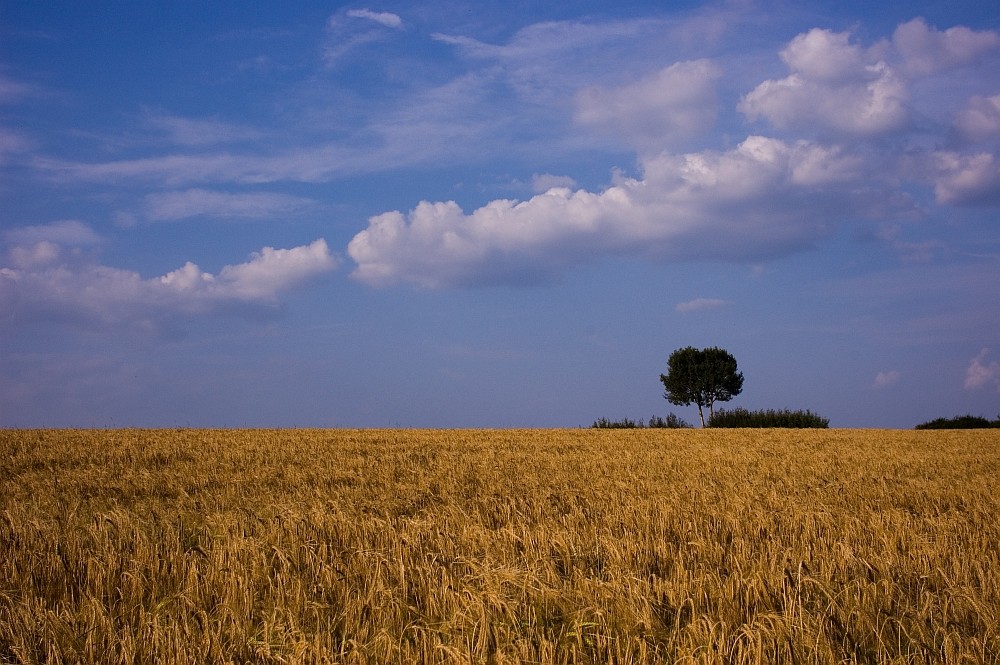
pixel 197 202
pixel 886 379
pixel 757 200
pixel 966 179
pixel 925 50
pixel 980 120
pixel 836 84
pixel 659 111
pixel 982 372
pixel 700 304
pixel 833 84
pixel 49 281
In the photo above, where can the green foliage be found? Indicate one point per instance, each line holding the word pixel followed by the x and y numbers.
pixel 624 423
pixel 672 421
pixel 655 422
pixel 770 418
pixel 967 421
pixel 702 377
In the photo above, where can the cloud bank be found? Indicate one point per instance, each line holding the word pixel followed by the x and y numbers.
pixel 758 200
pixel 51 279
pixel 765 197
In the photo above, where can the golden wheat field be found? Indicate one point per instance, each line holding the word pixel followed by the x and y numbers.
pixel 499 546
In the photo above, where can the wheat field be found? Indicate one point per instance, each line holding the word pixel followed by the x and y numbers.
pixel 499 546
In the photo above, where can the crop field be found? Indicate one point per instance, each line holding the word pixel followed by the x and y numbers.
pixel 499 546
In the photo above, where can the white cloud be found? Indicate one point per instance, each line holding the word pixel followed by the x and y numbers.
pixel 826 57
pixel 387 19
pixel 63 232
pixel 886 379
pixel 199 131
pixel 749 202
pixel 78 290
pixel 838 85
pixel 966 179
pixel 12 143
pixel 926 50
pixel 344 35
pixel 982 372
pixel 833 84
pixel 272 271
pixel 700 304
pixel 980 120
pixel 41 253
pixel 304 164
pixel 196 202
pixel 543 182
pixel 668 107
pixel 12 91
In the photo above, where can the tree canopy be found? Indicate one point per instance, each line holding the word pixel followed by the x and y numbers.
pixel 702 377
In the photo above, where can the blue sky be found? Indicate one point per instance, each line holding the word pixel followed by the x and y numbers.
pixel 469 214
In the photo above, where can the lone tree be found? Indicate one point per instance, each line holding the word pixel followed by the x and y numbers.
pixel 702 377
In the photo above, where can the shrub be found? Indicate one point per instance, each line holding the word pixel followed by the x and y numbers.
pixel 967 421
pixel 671 421
pixel 624 423
pixel 770 418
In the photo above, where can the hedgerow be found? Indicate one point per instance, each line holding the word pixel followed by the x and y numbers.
pixel 740 417
pixel 960 422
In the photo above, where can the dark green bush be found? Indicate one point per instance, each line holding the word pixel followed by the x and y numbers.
pixel 624 423
pixel 771 418
pixel 960 422
pixel 671 421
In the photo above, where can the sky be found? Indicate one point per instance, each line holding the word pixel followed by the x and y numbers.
pixel 459 213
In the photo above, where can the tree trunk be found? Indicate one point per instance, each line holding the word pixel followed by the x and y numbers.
pixel 701 414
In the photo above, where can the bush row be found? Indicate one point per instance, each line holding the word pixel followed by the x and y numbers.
pixel 960 422
pixel 671 421
pixel 770 418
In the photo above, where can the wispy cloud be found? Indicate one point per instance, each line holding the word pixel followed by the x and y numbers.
pixel 69 232
pixel 12 91
pixel 388 19
pixel 668 107
pixel 982 372
pixel 700 304
pixel 198 202
pixel 199 131
pixel 345 34
pixel 886 378
pixel 543 182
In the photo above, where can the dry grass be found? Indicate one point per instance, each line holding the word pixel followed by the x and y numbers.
pixel 571 546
